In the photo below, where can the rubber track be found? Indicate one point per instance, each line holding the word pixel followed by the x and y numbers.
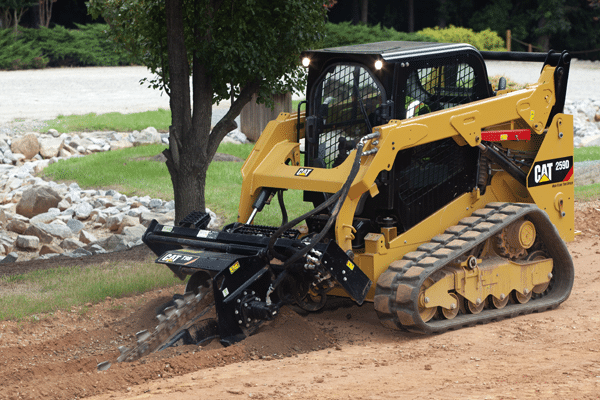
pixel 185 316
pixel 397 290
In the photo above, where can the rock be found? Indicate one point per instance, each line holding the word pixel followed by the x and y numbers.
pixel 56 230
pixel 87 237
pixel 80 252
pixel 83 210
pixel 147 136
pixel 53 132
pixel 147 217
pixel 37 200
pixel 50 249
pixel 46 217
pixel 10 257
pixel 114 243
pixel 51 147
pixel 95 249
pixel 238 136
pixel 3 219
pixel 155 203
pixel 63 205
pixel 113 222
pixel 120 144
pixel 28 145
pixel 27 243
pixel 597 117
pixel 133 233
pixel 75 225
pixel 17 226
pixel 44 237
pixel 71 244
pixel 127 221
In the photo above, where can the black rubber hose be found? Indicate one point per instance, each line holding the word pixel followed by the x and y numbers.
pixel 284 216
pixel 341 197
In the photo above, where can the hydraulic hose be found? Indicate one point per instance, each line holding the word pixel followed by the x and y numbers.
pixel 339 199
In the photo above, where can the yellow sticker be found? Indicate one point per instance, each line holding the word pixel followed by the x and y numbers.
pixel 504 136
pixel 532 115
pixel 350 265
pixel 234 267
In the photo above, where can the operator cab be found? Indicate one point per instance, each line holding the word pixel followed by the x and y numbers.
pixel 355 88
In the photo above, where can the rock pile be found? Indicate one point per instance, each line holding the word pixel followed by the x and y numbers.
pixel 40 218
pixel 586 121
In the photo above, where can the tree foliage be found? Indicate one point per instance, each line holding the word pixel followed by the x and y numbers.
pixel 231 48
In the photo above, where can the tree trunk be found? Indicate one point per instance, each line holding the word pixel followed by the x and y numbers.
pixel 365 11
pixel 355 12
pixel 411 15
pixel 189 195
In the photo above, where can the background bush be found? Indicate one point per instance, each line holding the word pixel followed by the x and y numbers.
pixel 345 33
pixel 484 40
pixel 57 47
pixel 16 53
pixel 88 45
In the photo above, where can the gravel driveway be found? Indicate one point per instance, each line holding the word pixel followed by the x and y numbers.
pixel 45 94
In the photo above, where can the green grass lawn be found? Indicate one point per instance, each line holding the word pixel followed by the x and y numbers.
pixel 62 288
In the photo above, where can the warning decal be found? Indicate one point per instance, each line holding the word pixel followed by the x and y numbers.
pixel 550 171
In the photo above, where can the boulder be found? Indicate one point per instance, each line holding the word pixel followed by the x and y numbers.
pixel 75 225
pixel 113 222
pixel 133 233
pixel 28 145
pixel 127 221
pixel 95 249
pixel 10 257
pixel 56 230
pixel 37 200
pixel 87 237
pixel 50 249
pixel 28 243
pixel 17 226
pixel 147 136
pixel 51 147
pixel 71 244
pixel 114 243
pixel 3 219
pixel 120 144
pixel 83 210
pixel 44 237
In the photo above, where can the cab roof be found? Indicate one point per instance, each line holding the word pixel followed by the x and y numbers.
pixel 395 50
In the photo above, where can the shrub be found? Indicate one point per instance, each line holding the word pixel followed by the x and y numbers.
pixel 484 40
pixel 15 53
pixel 88 45
pixel 344 34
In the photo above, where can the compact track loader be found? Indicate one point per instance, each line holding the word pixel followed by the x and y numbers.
pixel 443 202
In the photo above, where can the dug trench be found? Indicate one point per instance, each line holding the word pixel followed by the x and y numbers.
pixel 342 352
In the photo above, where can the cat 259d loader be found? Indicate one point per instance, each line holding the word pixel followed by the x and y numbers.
pixel 442 201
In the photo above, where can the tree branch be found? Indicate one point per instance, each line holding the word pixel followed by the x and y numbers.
pixel 227 123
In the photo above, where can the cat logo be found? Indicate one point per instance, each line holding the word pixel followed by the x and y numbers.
pixel 542 172
pixel 551 171
pixel 304 172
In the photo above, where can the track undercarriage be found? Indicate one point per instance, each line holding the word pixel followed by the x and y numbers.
pixel 504 260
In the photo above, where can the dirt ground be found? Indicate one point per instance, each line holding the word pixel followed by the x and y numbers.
pixel 341 353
